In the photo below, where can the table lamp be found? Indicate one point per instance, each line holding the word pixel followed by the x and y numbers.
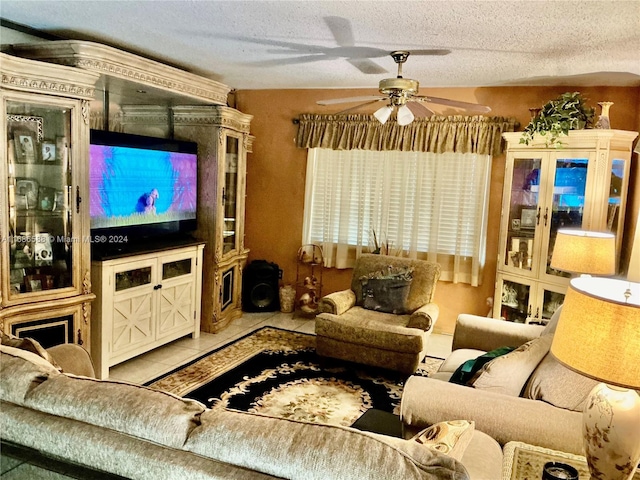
pixel 584 252
pixel 598 335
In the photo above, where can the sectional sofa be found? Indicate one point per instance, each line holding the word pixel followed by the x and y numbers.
pixel 50 402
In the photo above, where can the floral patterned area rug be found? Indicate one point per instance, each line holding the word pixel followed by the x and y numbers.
pixel 276 372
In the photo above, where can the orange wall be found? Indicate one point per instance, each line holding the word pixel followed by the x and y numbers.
pixel 276 175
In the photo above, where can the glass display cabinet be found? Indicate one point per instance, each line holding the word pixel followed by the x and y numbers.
pixel 223 136
pixel 44 227
pixel 583 185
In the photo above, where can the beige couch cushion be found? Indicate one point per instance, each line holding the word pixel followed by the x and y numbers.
pixel 385 331
pixel 142 412
pixel 450 437
pixel 20 372
pixel 554 383
pixel 509 373
pixel 305 451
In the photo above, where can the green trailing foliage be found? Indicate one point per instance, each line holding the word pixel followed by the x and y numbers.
pixel 568 112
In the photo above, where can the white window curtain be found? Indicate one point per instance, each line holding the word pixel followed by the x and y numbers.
pixel 422 205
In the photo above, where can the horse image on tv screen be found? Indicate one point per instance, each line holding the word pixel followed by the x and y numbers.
pixel 132 186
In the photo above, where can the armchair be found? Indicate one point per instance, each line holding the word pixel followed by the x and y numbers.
pixel 346 330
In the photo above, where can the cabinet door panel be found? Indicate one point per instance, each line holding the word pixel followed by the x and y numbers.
pixel 516 295
pixel 133 321
pixel 176 307
pixel 43 224
pixel 176 293
pixel 521 214
pixel 564 208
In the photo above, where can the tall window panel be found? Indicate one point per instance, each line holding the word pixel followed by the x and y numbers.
pixel 423 205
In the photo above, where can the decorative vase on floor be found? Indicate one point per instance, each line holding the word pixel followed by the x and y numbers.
pixel 603 120
pixel 287 298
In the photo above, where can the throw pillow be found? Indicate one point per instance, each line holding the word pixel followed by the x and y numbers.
pixel 554 383
pixel 387 295
pixel 467 371
pixel 387 290
pixel 28 344
pixel 450 437
pixel 509 374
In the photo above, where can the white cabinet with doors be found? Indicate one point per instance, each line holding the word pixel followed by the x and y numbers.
pixel 583 185
pixel 144 301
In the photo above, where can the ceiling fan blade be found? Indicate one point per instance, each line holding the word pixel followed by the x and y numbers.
pixel 472 107
pixel 433 52
pixel 335 101
pixel 419 110
pixel 341 29
pixel 293 47
pixel 277 62
pixel 366 66
pixel 342 112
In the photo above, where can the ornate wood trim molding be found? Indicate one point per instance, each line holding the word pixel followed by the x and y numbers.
pixel 112 62
pixel 587 138
pixel 146 114
pixel 50 79
pixel 226 117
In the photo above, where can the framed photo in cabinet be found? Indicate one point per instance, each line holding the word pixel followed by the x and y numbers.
pixel 34 283
pixel 29 188
pixel 48 152
pixel 528 218
pixel 25 146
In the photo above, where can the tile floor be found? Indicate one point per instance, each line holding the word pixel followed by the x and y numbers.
pixel 150 365
pixel 164 359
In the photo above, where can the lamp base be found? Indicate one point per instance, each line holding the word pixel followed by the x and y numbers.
pixel 611 422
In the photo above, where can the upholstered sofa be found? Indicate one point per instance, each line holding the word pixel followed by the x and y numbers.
pixel 53 405
pixel 352 325
pixel 525 395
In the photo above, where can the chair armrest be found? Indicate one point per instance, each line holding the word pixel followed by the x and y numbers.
pixel 73 359
pixel 425 317
pixel 426 401
pixel 482 333
pixel 338 302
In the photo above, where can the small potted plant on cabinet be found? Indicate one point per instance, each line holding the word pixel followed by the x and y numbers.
pixel 554 120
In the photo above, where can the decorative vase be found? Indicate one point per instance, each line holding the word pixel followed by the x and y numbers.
pixel 611 422
pixel 287 298
pixel 603 120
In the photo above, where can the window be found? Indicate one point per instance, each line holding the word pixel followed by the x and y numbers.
pixel 424 205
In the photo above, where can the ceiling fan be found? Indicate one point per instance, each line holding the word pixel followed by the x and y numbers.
pixel 402 93
pixel 346 48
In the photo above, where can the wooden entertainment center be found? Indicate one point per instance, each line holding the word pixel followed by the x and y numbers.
pixel 52 94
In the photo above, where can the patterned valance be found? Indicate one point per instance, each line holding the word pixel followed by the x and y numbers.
pixel 436 134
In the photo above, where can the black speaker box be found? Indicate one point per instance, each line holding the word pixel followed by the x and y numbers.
pixel 260 287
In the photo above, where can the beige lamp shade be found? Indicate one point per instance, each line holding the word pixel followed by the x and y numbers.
pixel 598 332
pixel 581 251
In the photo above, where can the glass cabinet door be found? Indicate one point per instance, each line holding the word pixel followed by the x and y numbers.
pixel 616 187
pixel 567 205
pixel 40 212
pixel 515 300
pixel 230 194
pixel 523 214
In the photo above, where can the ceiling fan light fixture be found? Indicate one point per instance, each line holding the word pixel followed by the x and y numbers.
pixel 383 114
pixel 405 116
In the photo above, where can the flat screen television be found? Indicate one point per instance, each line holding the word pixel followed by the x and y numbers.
pixel 140 188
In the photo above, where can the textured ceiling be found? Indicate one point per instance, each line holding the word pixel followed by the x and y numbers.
pixel 345 44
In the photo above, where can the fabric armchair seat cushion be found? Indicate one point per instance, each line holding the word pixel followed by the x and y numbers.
pixel 347 330
pixel 375 329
